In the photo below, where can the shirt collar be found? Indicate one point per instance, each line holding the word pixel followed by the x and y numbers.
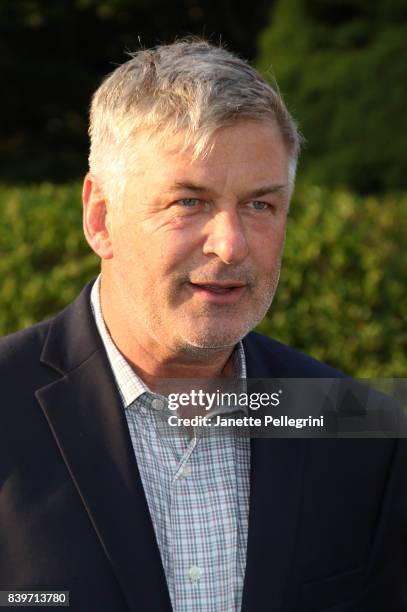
pixel 129 383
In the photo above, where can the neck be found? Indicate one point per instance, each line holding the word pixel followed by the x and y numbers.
pixel 152 371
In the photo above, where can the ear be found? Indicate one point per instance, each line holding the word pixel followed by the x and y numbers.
pixel 95 218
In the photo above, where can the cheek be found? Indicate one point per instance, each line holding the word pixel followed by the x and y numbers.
pixel 177 249
pixel 150 260
pixel 266 250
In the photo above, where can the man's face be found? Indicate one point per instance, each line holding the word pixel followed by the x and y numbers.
pixel 197 244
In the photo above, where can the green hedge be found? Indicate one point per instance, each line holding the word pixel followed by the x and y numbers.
pixel 341 68
pixel 341 296
pixel 44 258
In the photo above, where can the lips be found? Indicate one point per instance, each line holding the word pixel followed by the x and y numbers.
pixel 219 287
pixel 215 285
pixel 216 289
pixel 225 292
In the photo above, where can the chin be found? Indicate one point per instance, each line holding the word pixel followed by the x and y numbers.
pixel 216 333
pixel 212 340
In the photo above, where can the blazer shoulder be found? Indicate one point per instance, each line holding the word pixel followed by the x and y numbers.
pixel 20 350
pixel 59 343
pixel 269 357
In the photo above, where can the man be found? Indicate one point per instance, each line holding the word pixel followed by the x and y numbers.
pixel 192 167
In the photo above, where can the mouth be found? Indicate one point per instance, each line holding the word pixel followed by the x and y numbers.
pixel 219 293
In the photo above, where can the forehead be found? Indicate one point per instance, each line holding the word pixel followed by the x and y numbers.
pixel 251 147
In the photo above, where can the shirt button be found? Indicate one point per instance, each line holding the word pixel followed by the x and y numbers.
pixel 195 573
pixel 185 472
pixel 157 404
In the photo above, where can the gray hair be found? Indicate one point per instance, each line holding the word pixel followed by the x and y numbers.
pixel 190 86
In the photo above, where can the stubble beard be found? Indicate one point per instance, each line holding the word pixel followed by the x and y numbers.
pixel 213 333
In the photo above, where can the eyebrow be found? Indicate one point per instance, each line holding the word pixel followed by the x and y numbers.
pixel 261 191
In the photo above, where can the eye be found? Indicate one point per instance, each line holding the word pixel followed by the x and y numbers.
pixel 258 205
pixel 189 206
pixel 188 202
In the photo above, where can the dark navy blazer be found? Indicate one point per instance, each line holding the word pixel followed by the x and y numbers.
pixel 327 522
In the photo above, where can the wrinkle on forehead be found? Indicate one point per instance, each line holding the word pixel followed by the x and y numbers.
pixel 243 158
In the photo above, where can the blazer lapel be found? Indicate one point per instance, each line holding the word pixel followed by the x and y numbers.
pixel 87 419
pixel 276 481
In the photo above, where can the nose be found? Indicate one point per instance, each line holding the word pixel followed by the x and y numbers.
pixel 226 238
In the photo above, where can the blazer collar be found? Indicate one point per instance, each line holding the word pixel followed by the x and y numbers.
pixel 72 337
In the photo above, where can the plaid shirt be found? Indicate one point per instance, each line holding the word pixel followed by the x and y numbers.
pixel 197 490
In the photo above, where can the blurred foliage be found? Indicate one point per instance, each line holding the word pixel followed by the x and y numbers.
pixel 340 65
pixel 44 258
pixel 342 290
pixel 341 68
pixel 53 55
